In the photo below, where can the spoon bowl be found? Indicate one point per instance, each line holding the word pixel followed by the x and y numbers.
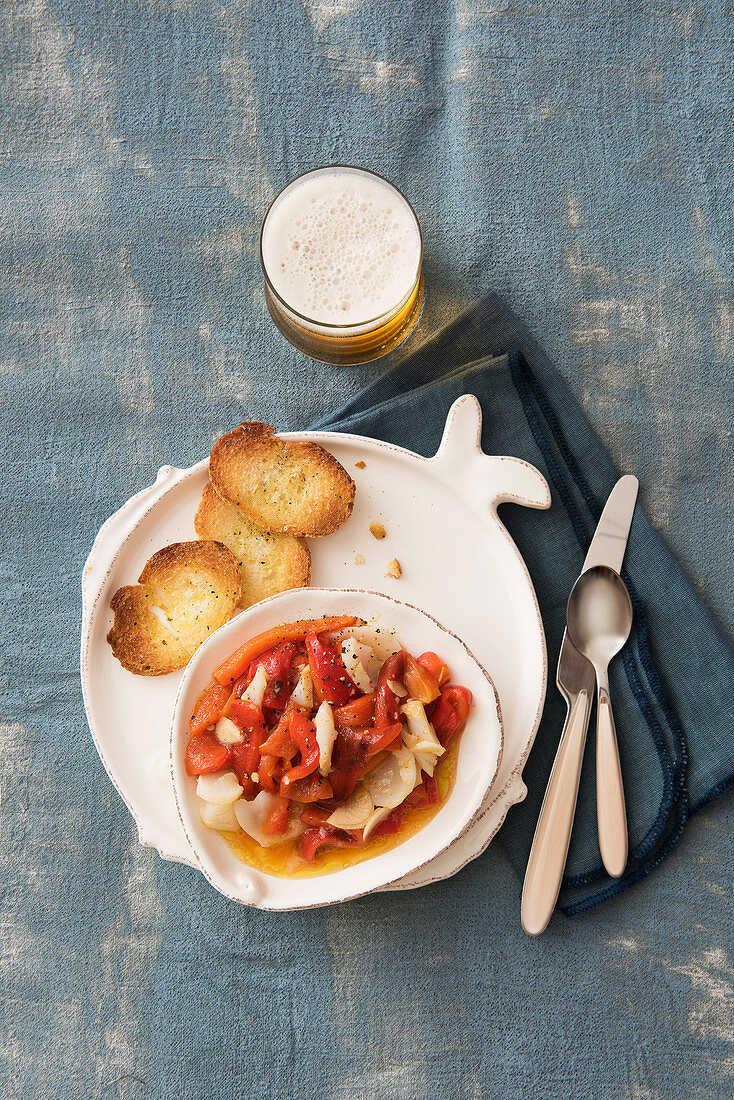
pixel 599 614
pixel 599 620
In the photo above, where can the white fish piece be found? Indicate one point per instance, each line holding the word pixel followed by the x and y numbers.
pixel 355 812
pixel 256 688
pixel 377 817
pixel 420 735
pixel 219 817
pixel 302 694
pixel 393 780
pixel 380 640
pixel 353 654
pixel 325 735
pixel 426 762
pixel 227 732
pixel 253 815
pixel 221 788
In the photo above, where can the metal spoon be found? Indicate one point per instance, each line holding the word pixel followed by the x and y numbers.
pixel 599 619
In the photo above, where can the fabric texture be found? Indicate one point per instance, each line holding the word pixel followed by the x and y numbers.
pixel 575 157
pixel 673 684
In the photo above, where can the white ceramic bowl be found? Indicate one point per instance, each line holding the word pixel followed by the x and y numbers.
pixel 480 750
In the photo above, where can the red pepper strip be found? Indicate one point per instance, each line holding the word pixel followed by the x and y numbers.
pixel 276 823
pixel 315 815
pixel 280 743
pixel 276 664
pixel 205 754
pixel 391 824
pixel 421 684
pixel 449 715
pixel 331 679
pixel 384 738
pixel 238 663
pixel 348 761
pixel 437 668
pixel 313 788
pixel 425 795
pixel 310 842
pixel 208 708
pixel 357 714
pixel 269 772
pixel 387 703
pixel 303 732
pixel 246 755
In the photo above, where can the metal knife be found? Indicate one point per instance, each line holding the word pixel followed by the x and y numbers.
pixel 576 681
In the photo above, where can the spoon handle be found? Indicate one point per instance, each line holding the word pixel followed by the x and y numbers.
pixel 610 808
pixel 553 831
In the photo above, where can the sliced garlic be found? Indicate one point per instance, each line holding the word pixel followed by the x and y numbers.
pixel 302 694
pixel 376 819
pixel 221 788
pixel 325 735
pixel 397 688
pixel 256 688
pixel 392 780
pixel 227 732
pixel 219 817
pixel 253 815
pixel 355 812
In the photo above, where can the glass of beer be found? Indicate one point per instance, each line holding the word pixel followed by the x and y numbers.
pixel 341 251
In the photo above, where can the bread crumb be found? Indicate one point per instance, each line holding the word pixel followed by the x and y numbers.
pixel 377 530
pixel 358 559
pixel 361 465
pixel 394 569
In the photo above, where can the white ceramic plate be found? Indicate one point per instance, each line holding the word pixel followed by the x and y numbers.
pixel 458 562
pixel 479 750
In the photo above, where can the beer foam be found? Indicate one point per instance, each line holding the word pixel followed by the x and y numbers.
pixel 341 246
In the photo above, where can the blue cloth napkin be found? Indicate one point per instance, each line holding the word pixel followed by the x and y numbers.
pixel 672 686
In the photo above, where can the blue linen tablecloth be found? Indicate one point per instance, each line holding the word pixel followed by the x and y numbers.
pixel 576 158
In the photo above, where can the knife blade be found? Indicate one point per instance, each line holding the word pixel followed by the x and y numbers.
pixel 576 682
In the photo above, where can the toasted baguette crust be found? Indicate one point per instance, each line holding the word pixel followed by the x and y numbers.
pixel 286 488
pixel 269 563
pixel 185 592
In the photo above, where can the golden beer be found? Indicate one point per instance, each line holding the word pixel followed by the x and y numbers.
pixel 341 251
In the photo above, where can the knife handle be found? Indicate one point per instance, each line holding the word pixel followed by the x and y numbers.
pixel 611 814
pixel 553 832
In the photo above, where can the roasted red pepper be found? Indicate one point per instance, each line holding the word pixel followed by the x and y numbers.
pixel 449 715
pixel 357 714
pixel 208 708
pixel 276 664
pixel 312 788
pixel 323 836
pixel 384 737
pixel 348 761
pixel 205 754
pixel 303 734
pixel 392 822
pixel 437 668
pixel 331 679
pixel 387 703
pixel 420 683
pixel 246 754
pixel 269 772
pixel 426 794
pixel 280 743
pixel 276 823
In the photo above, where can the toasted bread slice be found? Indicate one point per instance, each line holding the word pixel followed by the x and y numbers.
pixel 287 488
pixel 269 563
pixel 185 592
